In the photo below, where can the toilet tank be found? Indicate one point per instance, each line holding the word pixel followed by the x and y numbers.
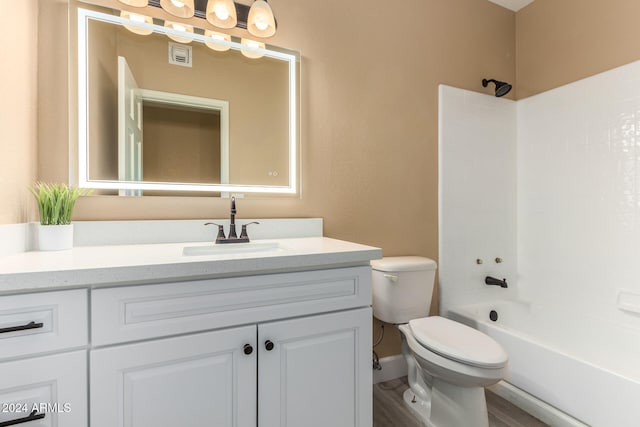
pixel 402 288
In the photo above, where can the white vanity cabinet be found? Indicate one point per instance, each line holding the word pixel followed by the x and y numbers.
pixel 317 372
pixel 289 349
pixel 43 359
pixel 48 391
pixel 204 379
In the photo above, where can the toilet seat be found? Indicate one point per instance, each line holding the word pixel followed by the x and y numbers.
pixel 458 342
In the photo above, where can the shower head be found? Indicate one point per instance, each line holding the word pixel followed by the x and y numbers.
pixel 502 88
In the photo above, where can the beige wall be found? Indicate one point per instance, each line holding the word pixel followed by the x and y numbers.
pixel 369 107
pixel 181 145
pixel 559 42
pixel 369 118
pixel 18 112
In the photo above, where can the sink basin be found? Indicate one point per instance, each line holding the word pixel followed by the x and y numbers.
pixel 231 248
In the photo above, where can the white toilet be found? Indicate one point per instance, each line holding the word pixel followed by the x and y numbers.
pixel 449 363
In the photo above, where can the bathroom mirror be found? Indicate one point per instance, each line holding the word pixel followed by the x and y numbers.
pixel 158 114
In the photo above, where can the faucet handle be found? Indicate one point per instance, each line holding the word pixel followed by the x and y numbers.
pixel 243 233
pixel 221 235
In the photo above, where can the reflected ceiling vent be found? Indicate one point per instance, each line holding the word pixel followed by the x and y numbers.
pixel 180 54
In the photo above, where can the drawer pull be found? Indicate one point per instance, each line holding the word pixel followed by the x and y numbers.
pixel 30 325
pixel 34 415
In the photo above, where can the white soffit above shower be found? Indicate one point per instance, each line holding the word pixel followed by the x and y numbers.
pixel 514 5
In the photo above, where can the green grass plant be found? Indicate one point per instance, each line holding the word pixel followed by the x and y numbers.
pixel 56 201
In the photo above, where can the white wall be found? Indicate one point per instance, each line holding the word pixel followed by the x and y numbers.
pixel 477 196
pixel 579 196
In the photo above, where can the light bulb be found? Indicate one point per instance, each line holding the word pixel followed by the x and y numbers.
pixel 179 8
pixel 216 37
pixel 179 27
pixel 261 23
pixel 221 11
pixel 136 17
pixel 254 45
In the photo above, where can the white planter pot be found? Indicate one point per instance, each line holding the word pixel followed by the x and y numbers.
pixel 55 237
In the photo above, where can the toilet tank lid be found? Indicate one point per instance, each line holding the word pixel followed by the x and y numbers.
pixel 403 263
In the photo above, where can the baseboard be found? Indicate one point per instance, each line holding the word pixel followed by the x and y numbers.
pixel 534 406
pixel 392 367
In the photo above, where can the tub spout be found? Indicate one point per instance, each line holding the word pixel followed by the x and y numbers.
pixel 492 281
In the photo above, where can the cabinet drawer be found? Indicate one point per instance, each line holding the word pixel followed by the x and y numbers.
pixel 42 322
pixel 140 312
pixel 55 387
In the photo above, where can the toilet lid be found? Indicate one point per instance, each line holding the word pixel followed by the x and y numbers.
pixel 458 342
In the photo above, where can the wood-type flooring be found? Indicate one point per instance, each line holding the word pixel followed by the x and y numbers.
pixel 389 409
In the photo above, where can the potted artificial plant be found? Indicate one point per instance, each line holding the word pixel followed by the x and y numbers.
pixel 55 204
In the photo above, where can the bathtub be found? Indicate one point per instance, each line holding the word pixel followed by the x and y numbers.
pixel 579 366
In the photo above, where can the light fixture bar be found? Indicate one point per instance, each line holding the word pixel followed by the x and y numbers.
pixel 201 6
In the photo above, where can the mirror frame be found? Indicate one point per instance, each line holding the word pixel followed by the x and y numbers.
pixel 292 59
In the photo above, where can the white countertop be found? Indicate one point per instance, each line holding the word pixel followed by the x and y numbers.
pixel 152 263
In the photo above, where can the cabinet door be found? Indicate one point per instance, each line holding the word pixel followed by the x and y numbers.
pixel 198 380
pixel 48 391
pixel 318 371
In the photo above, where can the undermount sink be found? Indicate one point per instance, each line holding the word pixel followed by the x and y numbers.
pixel 231 248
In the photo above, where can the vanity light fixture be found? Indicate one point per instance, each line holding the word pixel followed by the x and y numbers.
pixel 252 45
pixel 258 18
pixel 135 3
pixel 185 28
pixel 136 17
pixel 261 22
pixel 222 13
pixel 217 37
pixel 179 8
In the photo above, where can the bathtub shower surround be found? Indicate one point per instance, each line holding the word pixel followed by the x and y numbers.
pixel 579 196
pixel 575 225
pixel 555 358
pixel 477 196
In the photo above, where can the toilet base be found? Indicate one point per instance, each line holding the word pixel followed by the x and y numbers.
pixel 456 406
pixel 446 411
pixel 420 408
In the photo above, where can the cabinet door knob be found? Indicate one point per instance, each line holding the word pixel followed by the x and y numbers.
pixel 248 349
pixel 268 345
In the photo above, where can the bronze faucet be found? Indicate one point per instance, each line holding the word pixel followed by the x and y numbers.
pixel 233 237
